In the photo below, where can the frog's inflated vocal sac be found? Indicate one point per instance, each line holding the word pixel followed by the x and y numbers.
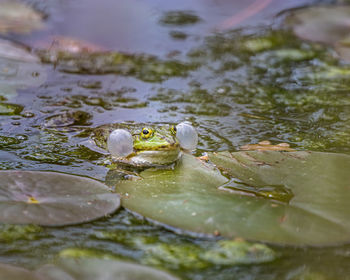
pixel 141 145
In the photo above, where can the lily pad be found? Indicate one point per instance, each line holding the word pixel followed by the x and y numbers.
pixel 52 199
pixel 325 24
pixel 91 269
pixel 18 69
pixel 298 198
pixel 18 17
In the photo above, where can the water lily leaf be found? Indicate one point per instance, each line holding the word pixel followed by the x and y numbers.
pixel 325 24
pixel 18 69
pixel 91 269
pixel 18 18
pixel 296 198
pixel 53 199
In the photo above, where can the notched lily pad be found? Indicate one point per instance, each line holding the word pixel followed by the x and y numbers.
pixel 52 199
pixel 301 198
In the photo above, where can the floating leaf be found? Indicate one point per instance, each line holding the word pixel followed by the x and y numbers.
pixel 18 18
pixel 18 68
pixel 17 52
pixel 194 197
pixel 91 269
pixel 48 198
pixel 325 24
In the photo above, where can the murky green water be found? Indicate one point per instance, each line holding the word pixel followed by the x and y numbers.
pixel 255 82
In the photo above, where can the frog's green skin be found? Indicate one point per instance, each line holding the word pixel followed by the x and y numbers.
pixel 161 149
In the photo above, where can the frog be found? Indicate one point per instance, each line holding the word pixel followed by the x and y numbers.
pixel 130 148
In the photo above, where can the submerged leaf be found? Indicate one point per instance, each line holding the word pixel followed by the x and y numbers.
pixel 48 198
pixel 300 197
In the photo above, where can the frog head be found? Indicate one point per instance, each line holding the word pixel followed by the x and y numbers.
pixel 149 146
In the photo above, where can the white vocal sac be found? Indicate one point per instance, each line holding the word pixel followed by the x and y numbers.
pixel 187 136
pixel 120 143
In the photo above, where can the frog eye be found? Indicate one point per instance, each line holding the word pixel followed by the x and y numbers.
pixel 173 129
pixel 187 136
pixel 147 133
pixel 120 143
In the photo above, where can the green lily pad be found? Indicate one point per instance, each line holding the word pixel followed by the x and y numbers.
pixel 91 269
pixel 52 199
pixel 296 198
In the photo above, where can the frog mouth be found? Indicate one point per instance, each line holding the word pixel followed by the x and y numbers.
pixel 156 157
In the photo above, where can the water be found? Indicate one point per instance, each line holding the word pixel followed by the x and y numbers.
pixel 239 85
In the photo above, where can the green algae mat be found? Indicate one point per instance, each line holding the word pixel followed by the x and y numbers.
pixel 294 198
pixel 85 268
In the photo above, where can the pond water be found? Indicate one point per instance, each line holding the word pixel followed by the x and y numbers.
pixel 232 69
